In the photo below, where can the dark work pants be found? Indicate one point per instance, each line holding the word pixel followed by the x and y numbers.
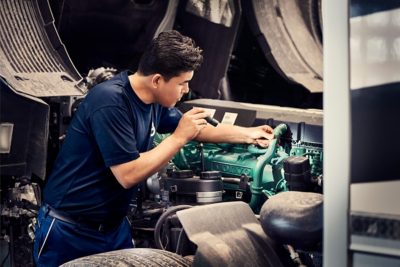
pixel 57 242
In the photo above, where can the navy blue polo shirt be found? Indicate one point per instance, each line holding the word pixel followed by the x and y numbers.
pixel 112 126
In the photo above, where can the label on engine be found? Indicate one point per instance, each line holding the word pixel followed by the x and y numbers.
pixel 229 118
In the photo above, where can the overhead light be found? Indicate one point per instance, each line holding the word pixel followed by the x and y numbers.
pixel 6 131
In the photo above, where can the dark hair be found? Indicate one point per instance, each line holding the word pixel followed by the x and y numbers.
pixel 170 54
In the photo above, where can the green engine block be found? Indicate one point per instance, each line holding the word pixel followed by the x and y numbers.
pixel 263 166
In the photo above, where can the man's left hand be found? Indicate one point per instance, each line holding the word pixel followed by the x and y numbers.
pixel 261 135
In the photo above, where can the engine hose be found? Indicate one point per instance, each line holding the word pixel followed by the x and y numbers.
pixel 161 221
pixel 262 161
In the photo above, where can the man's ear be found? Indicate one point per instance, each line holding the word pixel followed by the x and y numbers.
pixel 156 80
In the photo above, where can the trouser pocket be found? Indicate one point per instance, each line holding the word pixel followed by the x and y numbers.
pixel 46 236
pixel 43 229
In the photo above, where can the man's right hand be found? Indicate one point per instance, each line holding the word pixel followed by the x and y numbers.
pixel 130 173
pixel 190 125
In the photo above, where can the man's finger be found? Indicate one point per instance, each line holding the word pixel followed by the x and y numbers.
pixel 200 115
pixel 268 136
pixel 200 121
pixel 195 111
pixel 262 142
pixel 268 129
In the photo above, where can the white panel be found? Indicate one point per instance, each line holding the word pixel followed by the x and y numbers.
pixel 336 132
pixel 378 197
pixel 375 49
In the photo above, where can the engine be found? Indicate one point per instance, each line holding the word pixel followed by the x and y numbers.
pixel 203 173
pixel 247 172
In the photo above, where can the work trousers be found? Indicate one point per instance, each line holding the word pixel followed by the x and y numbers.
pixel 57 241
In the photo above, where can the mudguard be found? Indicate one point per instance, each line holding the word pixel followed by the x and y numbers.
pixel 228 234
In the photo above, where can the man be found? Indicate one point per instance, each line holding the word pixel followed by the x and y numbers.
pixel 108 151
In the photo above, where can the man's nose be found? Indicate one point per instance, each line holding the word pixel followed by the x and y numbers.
pixel 186 89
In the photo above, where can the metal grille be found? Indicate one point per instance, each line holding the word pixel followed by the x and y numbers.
pixel 22 43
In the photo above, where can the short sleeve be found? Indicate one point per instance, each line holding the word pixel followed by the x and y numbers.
pixel 114 135
pixel 169 120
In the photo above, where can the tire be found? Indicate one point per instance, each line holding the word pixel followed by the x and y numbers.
pixel 289 33
pixel 131 257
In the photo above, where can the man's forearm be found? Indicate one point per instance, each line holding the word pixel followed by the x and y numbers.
pixel 135 171
pixel 224 133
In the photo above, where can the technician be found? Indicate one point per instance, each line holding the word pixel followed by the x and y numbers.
pixel 108 151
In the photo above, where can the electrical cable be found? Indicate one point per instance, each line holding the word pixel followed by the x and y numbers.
pixel 178 244
pixel 161 221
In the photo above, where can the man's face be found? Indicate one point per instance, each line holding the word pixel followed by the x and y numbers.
pixel 171 91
